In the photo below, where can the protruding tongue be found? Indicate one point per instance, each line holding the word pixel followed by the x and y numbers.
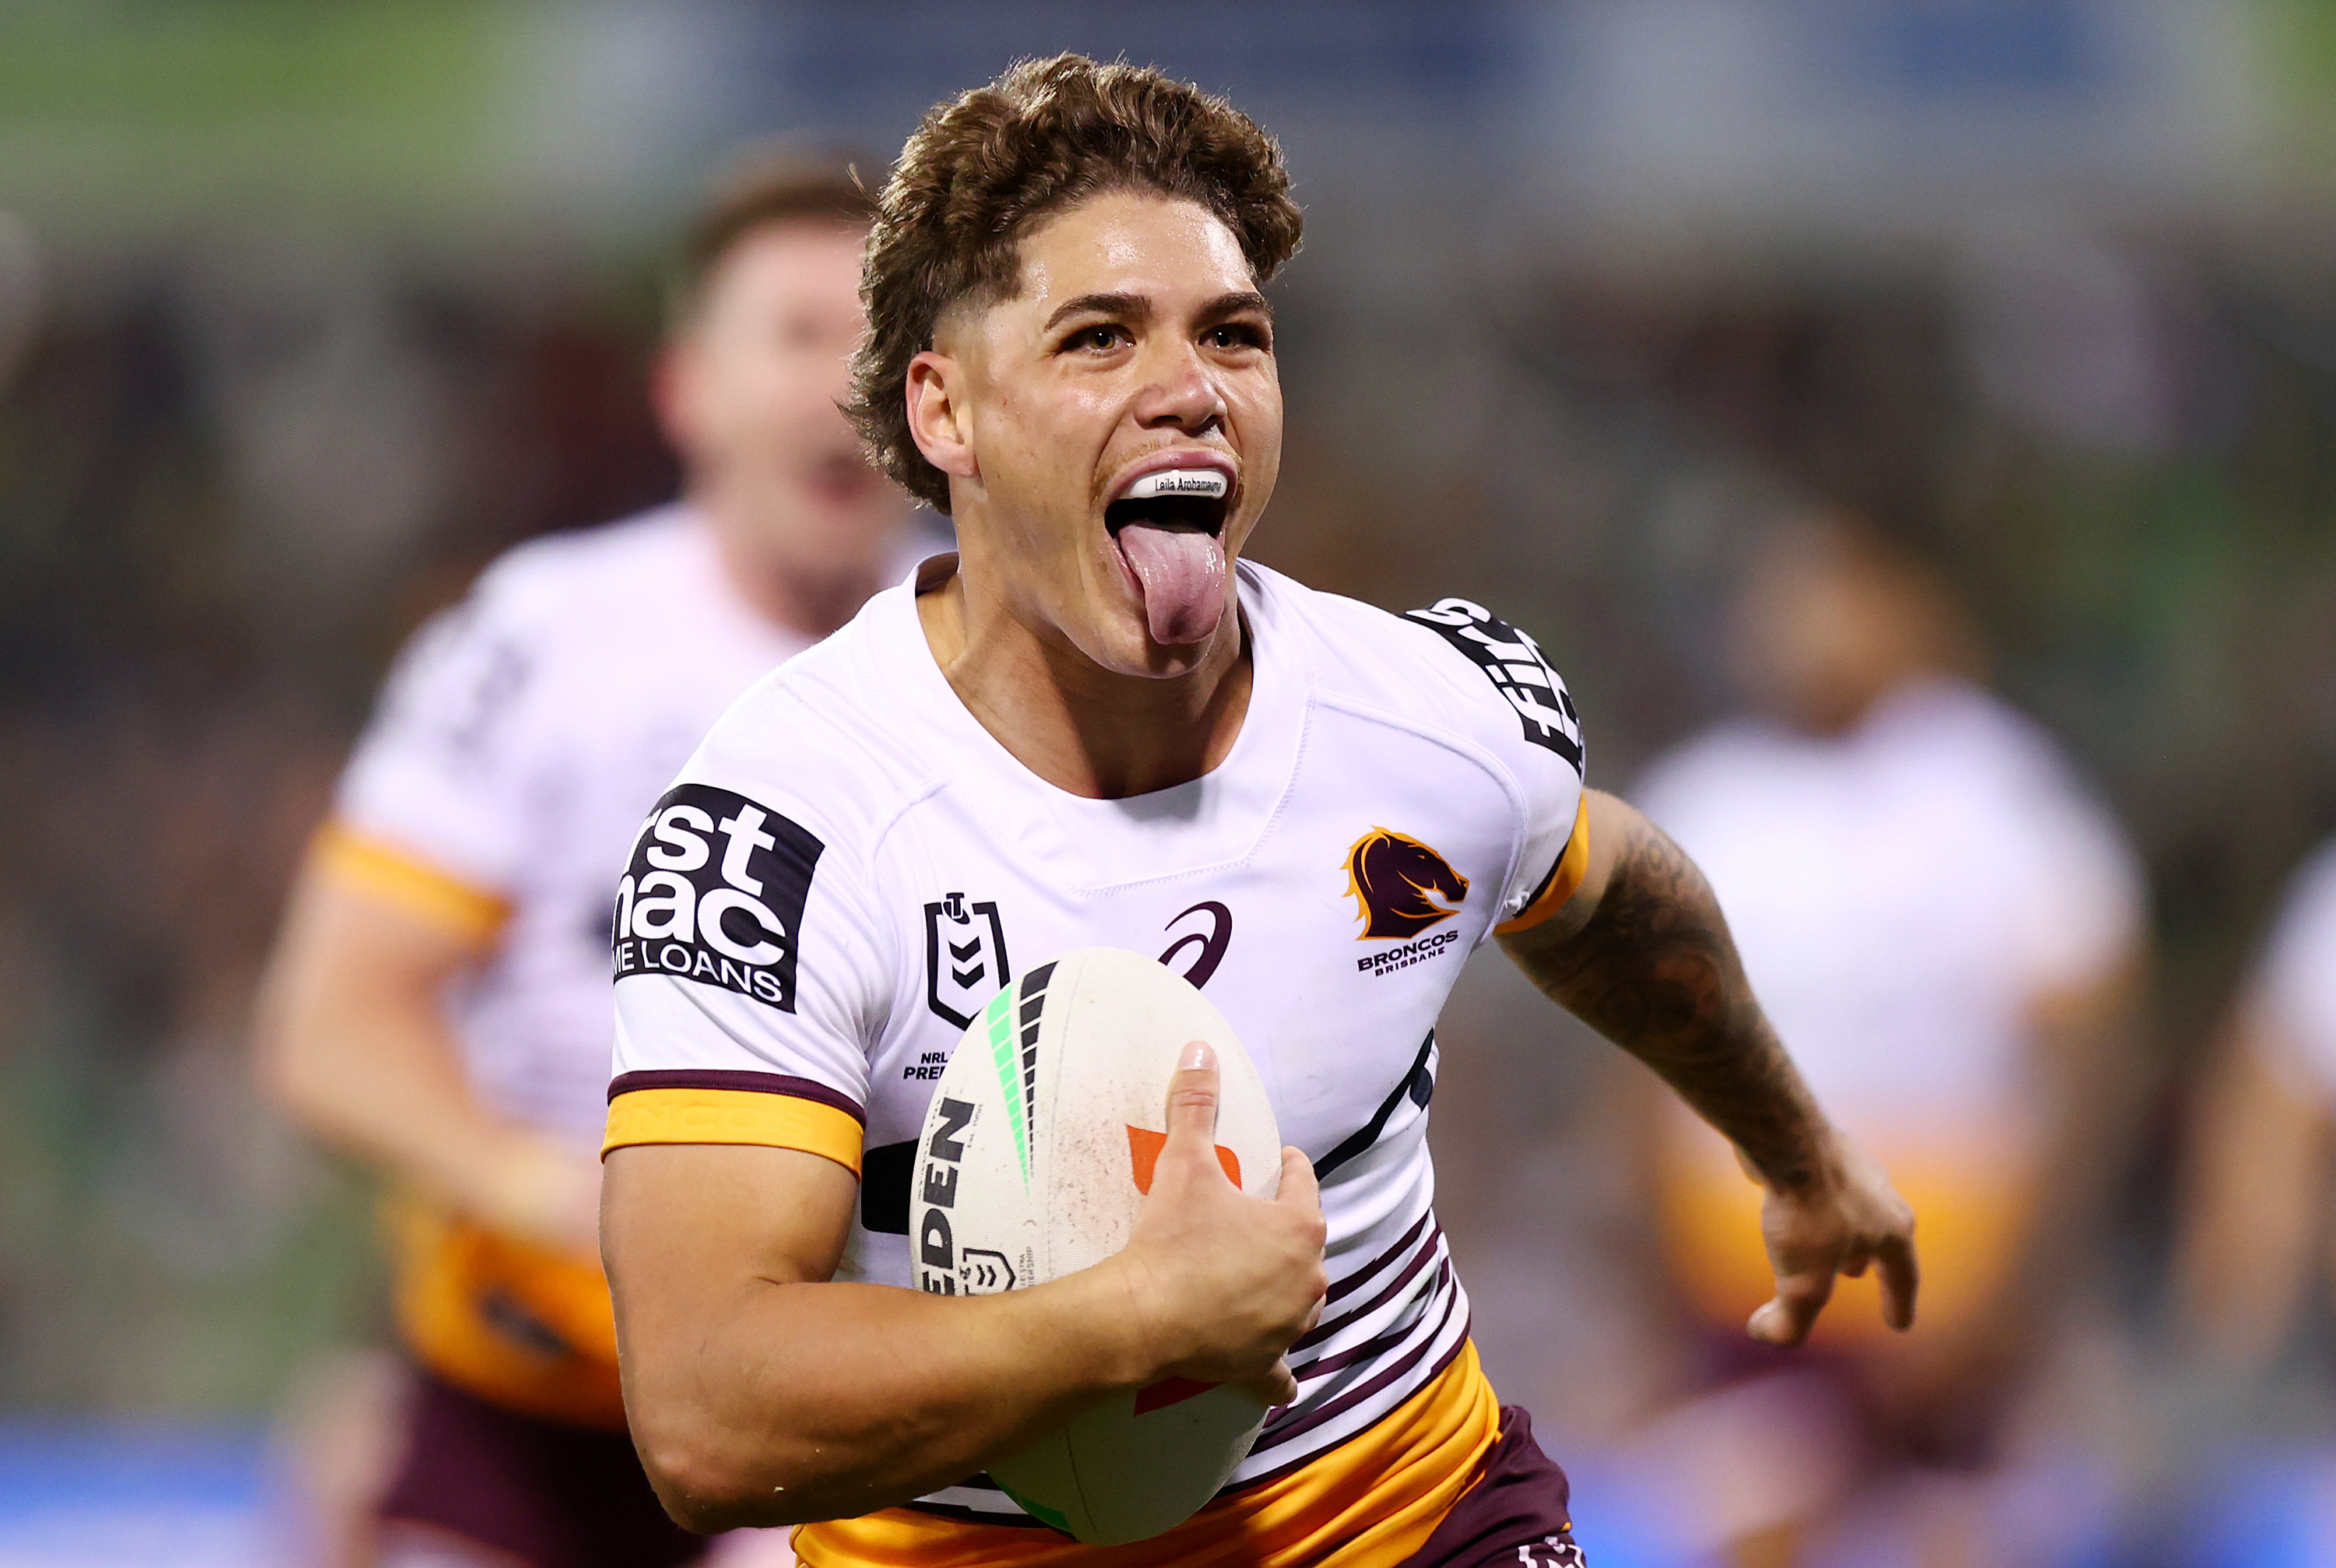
pixel 1183 574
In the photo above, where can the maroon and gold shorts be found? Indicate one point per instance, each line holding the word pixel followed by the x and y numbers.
pixel 1517 1512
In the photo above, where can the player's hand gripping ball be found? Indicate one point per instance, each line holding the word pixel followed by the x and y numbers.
pixel 1036 1152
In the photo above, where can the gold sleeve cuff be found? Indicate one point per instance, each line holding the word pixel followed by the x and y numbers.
pixel 1564 877
pixel 355 859
pixel 734 1116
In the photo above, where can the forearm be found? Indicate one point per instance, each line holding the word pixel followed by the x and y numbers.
pixel 2252 1208
pixel 1654 969
pixel 367 1085
pixel 1642 953
pixel 353 1042
pixel 2091 1089
pixel 761 1393
pixel 807 1401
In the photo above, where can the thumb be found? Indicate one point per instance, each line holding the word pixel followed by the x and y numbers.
pixel 1193 1103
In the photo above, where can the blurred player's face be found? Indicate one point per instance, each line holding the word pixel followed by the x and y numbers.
pixel 749 390
pixel 1111 431
pixel 1823 631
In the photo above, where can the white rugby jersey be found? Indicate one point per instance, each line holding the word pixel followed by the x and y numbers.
pixel 851 865
pixel 1903 894
pixel 518 741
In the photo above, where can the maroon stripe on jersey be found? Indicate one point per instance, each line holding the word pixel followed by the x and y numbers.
pixel 1362 1275
pixel 746 1083
pixel 1302 1460
pixel 1324 1330
pixel 1368 1134
pixel 1275 1437
pixel 1369 1348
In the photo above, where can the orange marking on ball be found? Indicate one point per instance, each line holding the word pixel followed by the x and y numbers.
pixel 1143 1146
pixel 1168 1391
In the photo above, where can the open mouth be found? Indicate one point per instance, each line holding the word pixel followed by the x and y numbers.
pixel 1182 499
pixel 840 477
pixel 1168 525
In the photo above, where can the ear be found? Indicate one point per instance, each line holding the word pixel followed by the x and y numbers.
pixel 937 417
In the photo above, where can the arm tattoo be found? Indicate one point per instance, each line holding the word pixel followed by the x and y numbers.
pixel 1656 971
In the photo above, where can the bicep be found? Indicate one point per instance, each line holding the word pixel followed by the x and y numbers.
pixel 1609 826
pixel 685 1225
pixel 339 931
pixel 347 960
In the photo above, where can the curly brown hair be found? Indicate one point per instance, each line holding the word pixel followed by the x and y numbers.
pixel 980 170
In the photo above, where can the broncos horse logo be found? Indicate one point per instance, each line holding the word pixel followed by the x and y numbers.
pixel 1397 881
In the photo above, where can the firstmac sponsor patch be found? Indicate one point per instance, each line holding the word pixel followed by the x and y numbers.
pixel 715 893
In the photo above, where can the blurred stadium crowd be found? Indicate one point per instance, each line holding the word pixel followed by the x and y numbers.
pixel 1995 341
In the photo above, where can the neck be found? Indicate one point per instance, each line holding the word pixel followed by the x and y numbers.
pixel 1085 729
pixel 1847 710
pixel 806 598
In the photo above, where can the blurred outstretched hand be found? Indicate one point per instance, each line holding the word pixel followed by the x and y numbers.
pixel 1846 1220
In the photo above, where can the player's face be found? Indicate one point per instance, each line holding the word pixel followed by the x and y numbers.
pixel 750 394
pixel 1821 635
pixel 1113 431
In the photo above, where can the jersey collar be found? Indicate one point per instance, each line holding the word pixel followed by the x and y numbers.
pixel 1209 821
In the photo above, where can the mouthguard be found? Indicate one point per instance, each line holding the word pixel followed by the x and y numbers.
pixel 1203 482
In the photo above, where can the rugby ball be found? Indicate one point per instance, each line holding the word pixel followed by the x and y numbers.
pixel 1036 1154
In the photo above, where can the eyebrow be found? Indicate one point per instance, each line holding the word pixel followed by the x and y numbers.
pixel 1234 304
pixel 1139 305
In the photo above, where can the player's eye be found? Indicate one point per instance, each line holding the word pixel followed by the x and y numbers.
pixel 1100 338
pixel 1231 335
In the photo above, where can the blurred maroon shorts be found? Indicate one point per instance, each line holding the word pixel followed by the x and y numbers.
pixel 1516 1512
pixel 1958 1431
pixel 538 1493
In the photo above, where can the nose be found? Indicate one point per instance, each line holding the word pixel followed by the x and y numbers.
pixel 1181 394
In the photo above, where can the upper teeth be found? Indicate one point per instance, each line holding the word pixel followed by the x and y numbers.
pixel 1209 482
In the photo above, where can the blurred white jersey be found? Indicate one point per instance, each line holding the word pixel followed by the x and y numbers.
pixel 520 738
pixel 2298 982
pixel 853 865
pixel 1904 895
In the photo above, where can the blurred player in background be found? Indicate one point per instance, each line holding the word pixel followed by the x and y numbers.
pixel 2255 1221
pixel 439 1002
pixel 1946 924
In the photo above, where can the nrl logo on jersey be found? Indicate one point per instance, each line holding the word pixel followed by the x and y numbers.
pixel 715 893
pixel 964 958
